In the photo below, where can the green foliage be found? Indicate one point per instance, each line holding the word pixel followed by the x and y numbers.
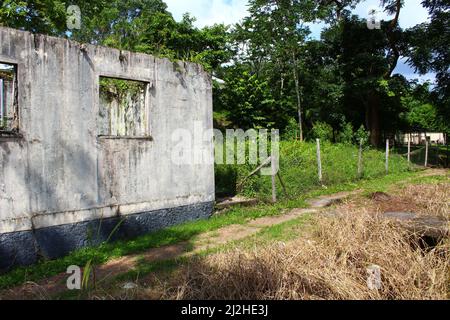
pixel 427 51
pixel 87 270
pixel 322 131
pixel 291 132
pixel 323 86
pixel 422 117
pixel 276 69
pixel 40 16
pixel 346 135
pixel 300 180
pixel 111 88
pixel 344 75
pixel 136 25
pixel 420 114
pixel 106 251
pixel 268 44
pixel 362 135
pixel 146 26
pixel 248 101
pixel 226 180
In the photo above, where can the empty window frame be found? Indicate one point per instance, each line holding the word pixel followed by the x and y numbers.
pixel 8 98
pixel 123 108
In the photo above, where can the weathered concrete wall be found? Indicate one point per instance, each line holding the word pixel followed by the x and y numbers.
pixel 60 174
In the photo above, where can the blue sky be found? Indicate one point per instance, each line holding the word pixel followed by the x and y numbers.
pixel 208 12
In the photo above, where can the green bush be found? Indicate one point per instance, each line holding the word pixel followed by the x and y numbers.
pixel 346 134
pixel 226 180
pixel 291 131
pixel 362 135
pixel 322 131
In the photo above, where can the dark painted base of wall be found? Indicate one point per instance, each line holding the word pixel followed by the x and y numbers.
pixel 27 247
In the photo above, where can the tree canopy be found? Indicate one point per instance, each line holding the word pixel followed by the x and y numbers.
pixel 274 74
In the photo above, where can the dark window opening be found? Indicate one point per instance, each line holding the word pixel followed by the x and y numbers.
pixel 123 108
pixel 8 98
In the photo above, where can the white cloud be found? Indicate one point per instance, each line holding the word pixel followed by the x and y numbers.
pixel 208 12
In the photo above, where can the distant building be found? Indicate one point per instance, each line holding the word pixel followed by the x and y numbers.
pixel 420 138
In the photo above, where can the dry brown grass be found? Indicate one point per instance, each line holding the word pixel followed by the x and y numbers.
pixel 431 199
pixel 331 266
pixel 424 200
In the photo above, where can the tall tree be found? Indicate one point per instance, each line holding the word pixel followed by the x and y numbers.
pixel 428 51
pixel 270 40
pixel 137 25
pixel 39 16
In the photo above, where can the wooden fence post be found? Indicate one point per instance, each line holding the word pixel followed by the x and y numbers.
pixel 274 172
pixel 264 163
pixel 387 156
pixel 426 152
pixel 448 151
pixel 360 159
pixel 319 161
pixel 409 149
pixel 282 184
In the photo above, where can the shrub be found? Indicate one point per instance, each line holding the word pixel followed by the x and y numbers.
pixel 362 134
pixel 292 130
pixel 322 131
pixel 346 134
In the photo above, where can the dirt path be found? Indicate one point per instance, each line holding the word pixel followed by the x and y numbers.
pixel 56 285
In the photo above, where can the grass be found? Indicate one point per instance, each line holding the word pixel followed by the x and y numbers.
pixel 107 251
pixel 297 168
pixel 331 263
pixel 285 231
pixel 281 233
pixel 429 179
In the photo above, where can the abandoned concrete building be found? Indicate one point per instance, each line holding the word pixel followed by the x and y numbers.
pixel 85 145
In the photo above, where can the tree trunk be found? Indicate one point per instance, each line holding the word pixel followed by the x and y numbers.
pixel 374 118
pixel 297 91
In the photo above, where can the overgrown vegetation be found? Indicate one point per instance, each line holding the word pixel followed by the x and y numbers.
pixel 111 88
pixel 298 169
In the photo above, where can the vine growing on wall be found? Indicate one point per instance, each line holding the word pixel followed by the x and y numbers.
pixel 118 89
